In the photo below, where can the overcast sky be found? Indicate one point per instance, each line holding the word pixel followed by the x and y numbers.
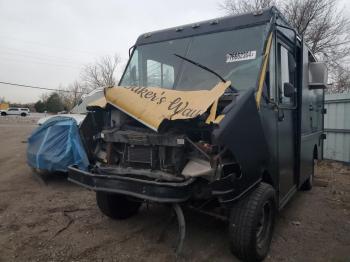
pixel 46 42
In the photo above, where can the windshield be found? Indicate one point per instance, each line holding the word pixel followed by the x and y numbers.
pixel 235 55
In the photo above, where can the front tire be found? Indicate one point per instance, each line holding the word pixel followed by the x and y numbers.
pixel 3 113
pixel 251 225
pixel 117 206
pixel 23 114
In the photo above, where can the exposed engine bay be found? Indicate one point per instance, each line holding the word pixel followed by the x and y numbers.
pixel 181 149
pixel 183 159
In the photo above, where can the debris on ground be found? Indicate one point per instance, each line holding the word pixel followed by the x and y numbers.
pixel 315 223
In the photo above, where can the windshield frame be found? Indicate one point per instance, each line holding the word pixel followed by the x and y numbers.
pixel 268 28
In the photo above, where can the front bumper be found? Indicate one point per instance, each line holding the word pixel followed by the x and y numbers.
pixel 164 192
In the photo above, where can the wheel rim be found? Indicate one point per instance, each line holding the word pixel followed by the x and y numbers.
pixel 264 225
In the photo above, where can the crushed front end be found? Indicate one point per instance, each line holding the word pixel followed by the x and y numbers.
pixel 186 159
pixel 130 158
pixel 136 161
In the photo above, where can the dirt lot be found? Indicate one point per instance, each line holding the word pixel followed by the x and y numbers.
pixel 60 221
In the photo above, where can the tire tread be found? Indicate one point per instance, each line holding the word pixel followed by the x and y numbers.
pixel 116 206
pixel 243 216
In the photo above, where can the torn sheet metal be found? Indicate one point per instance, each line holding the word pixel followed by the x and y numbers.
pixel 212 115
pixel 241 131
pixel 101 102
pixel 197 167
pixel 152 105
pixel 263 71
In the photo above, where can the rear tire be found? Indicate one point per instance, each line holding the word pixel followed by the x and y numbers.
pixel 117 206
pixel 23 114
pixel 307 186
pixel 251 225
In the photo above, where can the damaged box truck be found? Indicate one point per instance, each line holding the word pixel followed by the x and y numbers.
pixel 224 116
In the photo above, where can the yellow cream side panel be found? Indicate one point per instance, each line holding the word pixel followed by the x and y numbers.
pixel 151 105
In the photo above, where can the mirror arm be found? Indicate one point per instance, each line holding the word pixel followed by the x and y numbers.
pixel 131 49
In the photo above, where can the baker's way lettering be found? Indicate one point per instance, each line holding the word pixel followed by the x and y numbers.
pixel 152 105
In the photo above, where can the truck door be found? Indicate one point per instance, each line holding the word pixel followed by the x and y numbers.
pixel 286 71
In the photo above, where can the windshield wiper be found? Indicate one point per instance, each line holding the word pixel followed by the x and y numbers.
pixel 207 69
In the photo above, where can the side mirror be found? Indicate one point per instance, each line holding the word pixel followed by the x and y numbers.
pixel 318 75
pixel 288 90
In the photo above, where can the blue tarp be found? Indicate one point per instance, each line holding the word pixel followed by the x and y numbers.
pixel 55 145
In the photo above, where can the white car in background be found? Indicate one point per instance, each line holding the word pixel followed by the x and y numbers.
pixel 16 111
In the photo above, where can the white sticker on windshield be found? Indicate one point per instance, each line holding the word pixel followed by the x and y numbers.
pixel 240 56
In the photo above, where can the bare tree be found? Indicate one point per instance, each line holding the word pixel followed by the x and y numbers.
pixel 101 73
pixel 341 82
pixel 244 6
pixel 71 95
pixel 77 90
pixel 324 28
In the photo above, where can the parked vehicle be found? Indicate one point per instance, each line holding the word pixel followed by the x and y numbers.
pixel 223 116
pixel 16 111
pixel 56 143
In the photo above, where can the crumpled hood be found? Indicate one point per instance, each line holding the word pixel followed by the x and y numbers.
pixel 152 105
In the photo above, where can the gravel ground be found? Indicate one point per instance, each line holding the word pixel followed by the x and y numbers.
pixel 60 221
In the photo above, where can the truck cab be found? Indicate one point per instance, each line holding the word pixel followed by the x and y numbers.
pixel 221 116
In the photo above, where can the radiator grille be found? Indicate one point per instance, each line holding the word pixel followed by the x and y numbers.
pixel 135 138
pixel 140 154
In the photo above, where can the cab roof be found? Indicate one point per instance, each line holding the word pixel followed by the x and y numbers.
pixel 210 26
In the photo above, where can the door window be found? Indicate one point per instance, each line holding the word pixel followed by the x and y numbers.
pixel 286 74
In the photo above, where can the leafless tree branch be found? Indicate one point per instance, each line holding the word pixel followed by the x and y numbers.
pixel 101 73
pixel 323 26
pixel 237 6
